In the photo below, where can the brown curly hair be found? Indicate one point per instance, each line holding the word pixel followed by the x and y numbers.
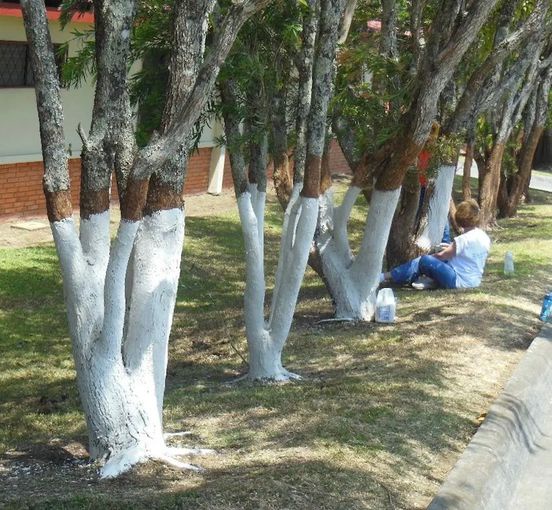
pixel 467 214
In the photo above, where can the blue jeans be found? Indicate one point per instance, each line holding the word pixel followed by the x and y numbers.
pixel 446 233
pixel 427 265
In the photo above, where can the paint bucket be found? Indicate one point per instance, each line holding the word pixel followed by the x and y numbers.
pixel 385 306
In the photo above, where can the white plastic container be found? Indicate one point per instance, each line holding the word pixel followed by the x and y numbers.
pixel 508 263
pixel 385 306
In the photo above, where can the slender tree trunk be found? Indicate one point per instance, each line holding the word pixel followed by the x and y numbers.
pixel 490 184
pixel 440 193
pixel 282 171
pixel 466 177
pixel 481 158
pixel 520 180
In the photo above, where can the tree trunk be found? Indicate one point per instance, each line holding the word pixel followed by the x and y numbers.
pixel 489 185
pixel 120 298
pixel 543 154
pixel 439 204
pixel 354 281
pixel 521 179
pixel 266 339
pixel 466 177
pixel 122 396
pixel 402 237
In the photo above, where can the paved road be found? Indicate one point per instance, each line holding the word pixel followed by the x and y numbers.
pixel 538 182
pixel 541 182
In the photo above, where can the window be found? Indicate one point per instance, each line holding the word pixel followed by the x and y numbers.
pixel 15 64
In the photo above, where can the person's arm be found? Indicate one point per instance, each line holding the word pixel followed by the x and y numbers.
pixel 447 253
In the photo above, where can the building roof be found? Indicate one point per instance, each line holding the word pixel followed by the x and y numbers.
pixel 13 9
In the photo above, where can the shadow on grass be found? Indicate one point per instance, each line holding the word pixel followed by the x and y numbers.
pixel 291 483
pixel 372 394
pixel 380 396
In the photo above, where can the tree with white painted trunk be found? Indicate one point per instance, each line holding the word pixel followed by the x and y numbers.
pixel 382 163
pixel 513 186
pixel 416 227
pixel 120 296
pixel 503 121
pixel 266 336
pixel 490 82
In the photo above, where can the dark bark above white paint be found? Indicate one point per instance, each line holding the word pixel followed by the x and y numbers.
pixel 48 97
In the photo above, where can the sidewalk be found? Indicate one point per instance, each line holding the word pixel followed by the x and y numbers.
pixel 539 182
pixel 508 463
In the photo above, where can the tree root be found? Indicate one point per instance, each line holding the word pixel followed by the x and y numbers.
pixel 283 376
pixel 336 319
pixel 123 461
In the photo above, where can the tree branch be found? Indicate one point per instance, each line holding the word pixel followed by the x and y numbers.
pixel 475 94
pixel 184 119
pixel 50 111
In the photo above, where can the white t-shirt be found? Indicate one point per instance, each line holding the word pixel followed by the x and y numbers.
pixel 472 249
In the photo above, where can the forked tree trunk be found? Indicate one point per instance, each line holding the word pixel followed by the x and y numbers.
pixel 515 185
pixel 514 106
pixel 536 115
pixel 120 345
pixel 266 339
pixel 354 280
pixel 120 297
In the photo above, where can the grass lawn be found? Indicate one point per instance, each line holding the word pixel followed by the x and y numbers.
pixel 381 416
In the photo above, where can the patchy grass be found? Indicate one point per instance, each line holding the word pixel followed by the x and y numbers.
pixel 381 416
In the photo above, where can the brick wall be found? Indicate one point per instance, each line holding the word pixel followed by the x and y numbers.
pixel 338 163
pixel 21 183
pixel 197 178
pixel 21 187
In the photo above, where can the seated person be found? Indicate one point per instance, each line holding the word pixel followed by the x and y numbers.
pixel 459 265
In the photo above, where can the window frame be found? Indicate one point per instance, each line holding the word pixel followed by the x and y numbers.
pixel 60 60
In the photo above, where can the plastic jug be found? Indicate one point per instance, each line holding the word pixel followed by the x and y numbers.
pixel 508 263
pixel 546 312
pixel 385 306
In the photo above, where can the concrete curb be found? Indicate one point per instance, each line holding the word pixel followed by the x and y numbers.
pixel 486 475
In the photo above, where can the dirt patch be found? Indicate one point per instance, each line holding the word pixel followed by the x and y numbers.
pixel 13 233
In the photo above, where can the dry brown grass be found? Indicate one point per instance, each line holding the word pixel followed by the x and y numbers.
pixel 381 416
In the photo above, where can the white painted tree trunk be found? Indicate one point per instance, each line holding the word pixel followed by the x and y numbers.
pixel 120 334
pixel 439 204
pixel 335 253
pixel 266 339
pixel 354 281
